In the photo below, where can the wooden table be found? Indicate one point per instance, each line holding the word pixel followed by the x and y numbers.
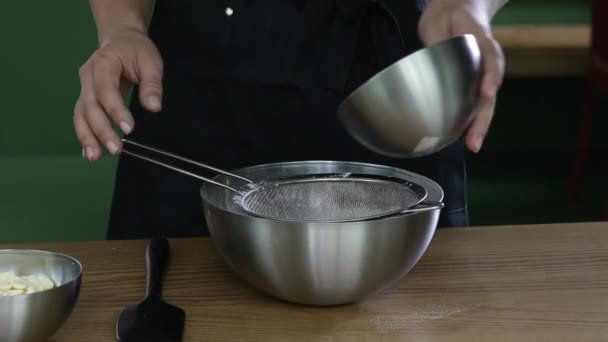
pixel 519 283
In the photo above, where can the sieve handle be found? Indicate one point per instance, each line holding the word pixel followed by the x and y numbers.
pixel 190 161
pixel 139 156
pixel 424 206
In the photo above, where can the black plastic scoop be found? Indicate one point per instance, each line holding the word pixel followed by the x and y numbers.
pixel 152 319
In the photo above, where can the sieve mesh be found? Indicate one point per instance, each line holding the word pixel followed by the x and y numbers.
pixel 329 199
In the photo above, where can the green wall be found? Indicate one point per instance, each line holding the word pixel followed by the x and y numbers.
pixel 541 12
pixel 48 193
pixel 44 42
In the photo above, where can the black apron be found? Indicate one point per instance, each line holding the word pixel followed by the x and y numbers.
pixel 248 82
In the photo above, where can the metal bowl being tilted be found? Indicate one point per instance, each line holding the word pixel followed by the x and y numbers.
pixel 420 104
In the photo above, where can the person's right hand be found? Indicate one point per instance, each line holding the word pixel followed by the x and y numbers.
pixel 120 62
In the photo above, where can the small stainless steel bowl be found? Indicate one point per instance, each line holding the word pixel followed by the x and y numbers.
pixel 420 104
pixel 36 317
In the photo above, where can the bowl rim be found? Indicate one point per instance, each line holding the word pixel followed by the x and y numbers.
pixel 26 251
pixel 435 191
pixel 406 59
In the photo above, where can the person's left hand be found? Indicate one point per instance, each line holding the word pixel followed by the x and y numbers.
pixel 443 19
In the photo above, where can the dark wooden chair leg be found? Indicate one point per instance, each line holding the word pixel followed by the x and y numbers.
pixel 605 213
pixel 583 143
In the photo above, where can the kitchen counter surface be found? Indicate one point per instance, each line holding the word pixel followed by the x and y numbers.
pixel 512 283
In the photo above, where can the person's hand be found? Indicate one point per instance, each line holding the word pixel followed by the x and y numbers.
pixel 123 60
pixel 446 18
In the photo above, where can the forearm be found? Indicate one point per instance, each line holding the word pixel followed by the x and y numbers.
pixel 115 16
pixel 485 7
pixel 493 6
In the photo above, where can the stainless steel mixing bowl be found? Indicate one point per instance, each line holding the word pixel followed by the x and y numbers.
pixel 36 317
pixel 420 104
pixel 318 263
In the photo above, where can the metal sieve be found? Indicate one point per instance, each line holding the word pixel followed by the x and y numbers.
pixel 314 197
